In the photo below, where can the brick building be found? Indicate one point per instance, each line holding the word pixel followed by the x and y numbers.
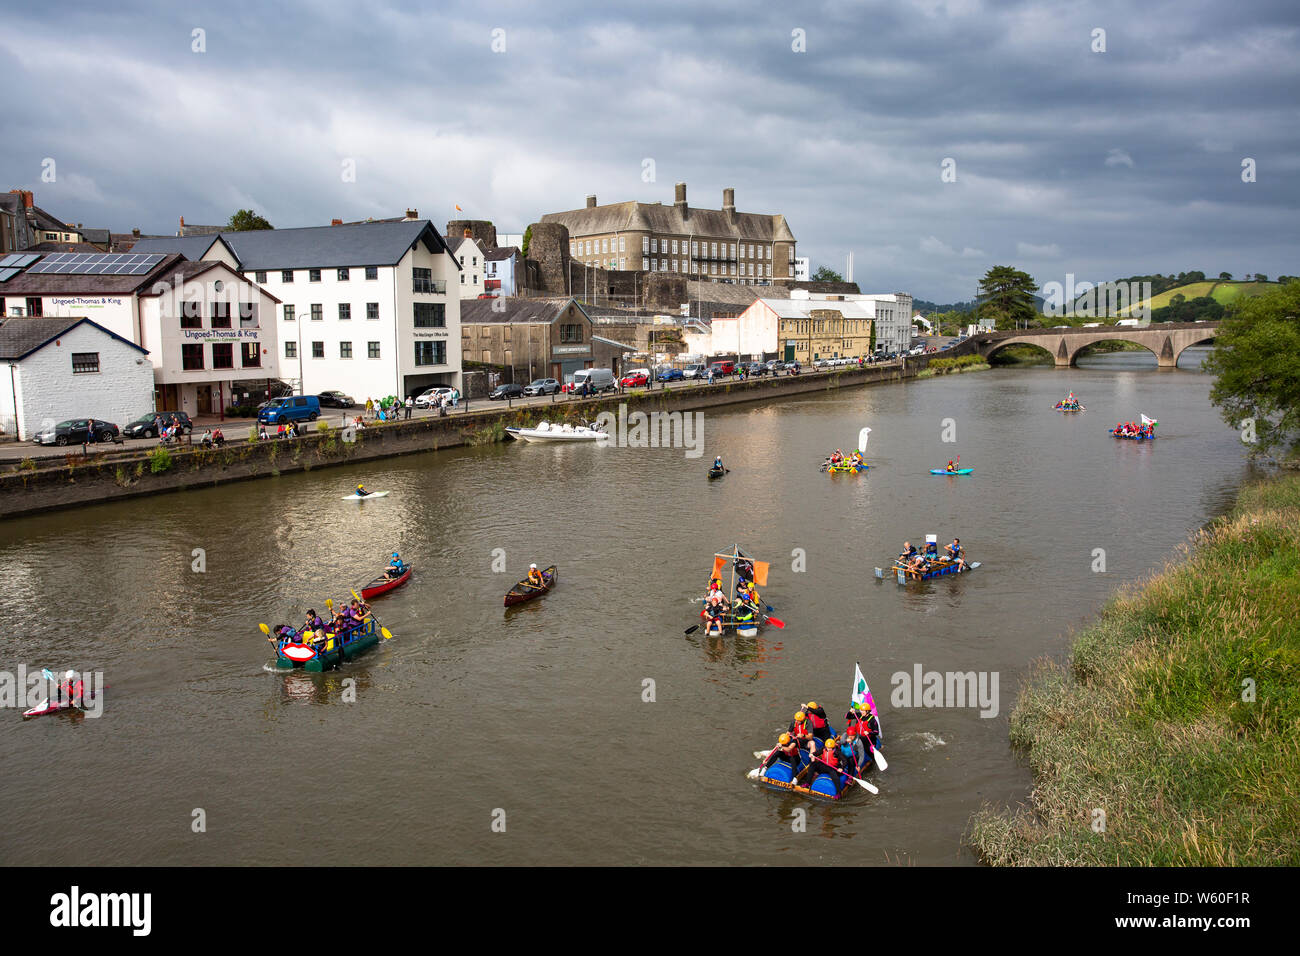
pixel 534 338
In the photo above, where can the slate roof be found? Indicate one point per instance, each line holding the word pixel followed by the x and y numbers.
pixel 98 236
pixel 315 247
pixel 660 218
pixel 191 247
pixel 537 311
pixel 20 337
pixel 47 223
pixel 504 252
pixel 27 283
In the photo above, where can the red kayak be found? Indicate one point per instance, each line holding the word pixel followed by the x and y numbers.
pixel 383 584
pixel 51 706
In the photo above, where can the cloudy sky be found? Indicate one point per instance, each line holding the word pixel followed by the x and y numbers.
pixel 840 116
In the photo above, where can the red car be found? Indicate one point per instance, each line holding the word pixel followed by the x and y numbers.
pixel 635 380
pixel 723 368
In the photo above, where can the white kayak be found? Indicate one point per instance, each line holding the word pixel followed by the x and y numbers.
pixel 545 431
pixel 356 497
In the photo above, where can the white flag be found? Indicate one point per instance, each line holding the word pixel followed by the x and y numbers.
pixel 862 439
pixel 1149 421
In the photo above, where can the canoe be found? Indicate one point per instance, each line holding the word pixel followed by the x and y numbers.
pixel 716 473
pixel 330 652
pixel 934 569
pixel 50 706
pixel 523 591
pixel 356 497
pixel 945 471
pixel 383 584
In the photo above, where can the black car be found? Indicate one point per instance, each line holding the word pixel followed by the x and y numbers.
pixel 75 431
pixel 146 426
pixel 756 368
pixel 336 399
pixel 507 391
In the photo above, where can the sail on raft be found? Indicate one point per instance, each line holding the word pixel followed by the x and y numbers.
pixel 732 600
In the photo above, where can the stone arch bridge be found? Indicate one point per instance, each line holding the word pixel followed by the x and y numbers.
pixel 1166 340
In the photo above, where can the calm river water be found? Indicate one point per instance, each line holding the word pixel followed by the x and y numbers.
pixel 538 712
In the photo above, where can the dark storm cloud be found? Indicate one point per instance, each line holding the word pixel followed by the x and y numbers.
pixel 1101 164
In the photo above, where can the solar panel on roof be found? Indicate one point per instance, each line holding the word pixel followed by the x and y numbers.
pixel 102 263
pixel 7 274
pixel 16 260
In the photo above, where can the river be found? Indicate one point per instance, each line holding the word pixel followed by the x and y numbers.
pixel 539 712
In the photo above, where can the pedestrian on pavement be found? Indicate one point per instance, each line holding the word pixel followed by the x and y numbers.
pixel 370 408
pixel 410 404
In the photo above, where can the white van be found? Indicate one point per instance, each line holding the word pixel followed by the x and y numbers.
pixel 1128 322
pixel 600 380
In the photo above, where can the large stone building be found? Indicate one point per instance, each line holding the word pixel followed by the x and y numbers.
pixel 534 338
pixel 720 245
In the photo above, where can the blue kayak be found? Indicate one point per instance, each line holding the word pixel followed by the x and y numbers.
pixel 945 471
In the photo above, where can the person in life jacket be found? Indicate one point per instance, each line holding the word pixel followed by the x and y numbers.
pixel 821 729
pixel 952 465
pixel 932 550
pixel 830 764
pixel 853 751
pixel 744 613
pixel 715 586
pixel 535 576
pixel 717 463
pixel 954 550
pixel 864 725
pixel 800 728
pixel 71 688
pixel 361 491
pixel 787 751
pixel 715 610
pixel 857 460
pixel 908 553
pixel 395 567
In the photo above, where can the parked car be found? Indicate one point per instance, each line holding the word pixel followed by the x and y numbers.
pixel 291 408
pixel 600 380
pixel 695 371
pixel 671 375
pixel 775 366
pixel 756 368
pixel 636 378
pixel 506 391
pixel 75 431
pixel 542 386
pixel 336 399
pixel 146 425
pixel 724 367
pixel 429 397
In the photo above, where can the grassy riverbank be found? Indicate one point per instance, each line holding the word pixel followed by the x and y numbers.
pixel 1178 716
pixel 953 366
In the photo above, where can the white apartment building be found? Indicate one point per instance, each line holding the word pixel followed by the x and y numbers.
pixel 471 258
pixel 802 268
pixel 370 309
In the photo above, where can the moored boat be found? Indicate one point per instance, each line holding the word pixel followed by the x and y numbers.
pixel 383 584
pixel 563 432
pixel 523 591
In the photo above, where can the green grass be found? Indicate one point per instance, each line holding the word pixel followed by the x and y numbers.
pixel 1150 722
pixel 1221 292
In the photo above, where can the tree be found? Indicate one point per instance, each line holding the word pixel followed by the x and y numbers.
pixel 1225 276
pixel 1260 277
pixel 826 274
pixel 1256 361
pixel 528 240
pixel 1007 296
pixel 245 220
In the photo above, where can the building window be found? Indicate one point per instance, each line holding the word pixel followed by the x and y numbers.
pixel 572 244
pixel 286 275
pixel 223 355
pixel 372 272
pixel 622 263
pixel 290 349
pixel 430 353
pixel 372 350
pixel 571 333
pixel 372 311
pixel 191 315
pixel 430 315
pixel 422 281
pixel 250 355
pixel 83 362
pixel 260 277
pixel 345 350
pixel 622 243
pixel 35 306
pixel 645 244
pixel 317 312
pixel 343 275
pixel 288 313
pixel 318 350
pixel 769 270
pixel 654 245
pixel 313 275
pixel 345 311
pixel 249 315
pixel 192 358
pixel 220 315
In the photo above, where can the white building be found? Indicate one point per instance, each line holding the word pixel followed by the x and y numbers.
pixel 208 331
pixel 501 267
pixel 364 308
pixel 69 368
pixel 471 257
pixel 802 268
pixel 891 314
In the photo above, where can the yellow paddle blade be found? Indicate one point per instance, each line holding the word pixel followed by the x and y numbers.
pixel 356 595
pixel 329 603
pixel 388 635
pixel 265 630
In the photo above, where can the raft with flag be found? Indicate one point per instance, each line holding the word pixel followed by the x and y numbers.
pixel 1070 404
pixel 934 564
pixel 1135 431
pixel 737 606
pixel 828 766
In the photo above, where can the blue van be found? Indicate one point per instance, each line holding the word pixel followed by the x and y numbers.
pixel 291 408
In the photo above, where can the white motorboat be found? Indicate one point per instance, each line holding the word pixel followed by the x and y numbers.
pixel 545 431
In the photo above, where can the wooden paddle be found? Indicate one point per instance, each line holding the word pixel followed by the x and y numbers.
pixel 858 780
pixel 382 630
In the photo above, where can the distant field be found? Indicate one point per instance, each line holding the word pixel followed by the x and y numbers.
pixel 1221 292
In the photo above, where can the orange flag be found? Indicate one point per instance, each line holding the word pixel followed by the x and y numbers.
pixel 718 562
pixel 760 574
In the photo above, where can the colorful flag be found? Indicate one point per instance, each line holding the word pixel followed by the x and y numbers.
pixel 1149 421
pixel 458 209
pixel 862 694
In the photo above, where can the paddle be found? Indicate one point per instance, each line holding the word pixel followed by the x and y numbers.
pixel 774 621
pixel 870 788
pixel 382 630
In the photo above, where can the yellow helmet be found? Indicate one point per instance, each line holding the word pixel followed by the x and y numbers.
pixel 812 705
pixel 783 739
pixel 799 715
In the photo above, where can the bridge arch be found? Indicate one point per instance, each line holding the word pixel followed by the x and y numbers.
pixel 1210 337
pixel 1125 339
pixel 1041 346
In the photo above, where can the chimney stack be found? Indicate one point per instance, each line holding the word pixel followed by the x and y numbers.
pixel 336 222
pixel 679 201
pixel 135 232
pixel 412 214
pixel 729 200
pixel 591 202
pixel 468 232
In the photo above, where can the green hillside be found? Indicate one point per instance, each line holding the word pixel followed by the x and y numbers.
pixel 1221 292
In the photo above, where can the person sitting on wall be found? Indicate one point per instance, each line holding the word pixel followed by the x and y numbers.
pixel 207 438
pixel 218 438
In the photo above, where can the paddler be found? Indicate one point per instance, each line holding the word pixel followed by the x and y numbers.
pixel 857 459
pixel 361 491
pixel 535 576
pixel 313 622
pixel 70 688
pixel 787 751
pixel 830 757
pixel 862 723
pixel 396 567
pixel 800 728
pixel 717 463
pixel 952 465
pixel 853 752
pixel 932 550
pixel 821 729
pixel 954 550
pixel 908 554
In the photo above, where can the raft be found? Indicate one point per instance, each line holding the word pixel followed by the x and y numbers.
pixel 934 569
pixel 818 783
pixel 330 652
pixel 1114 434
pixel 847 468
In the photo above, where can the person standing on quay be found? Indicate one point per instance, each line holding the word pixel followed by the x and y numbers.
pixel 410 404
